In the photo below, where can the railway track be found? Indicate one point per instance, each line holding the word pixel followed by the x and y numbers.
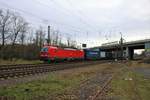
pixel 97 86
pixel 11 71
pixel 101 94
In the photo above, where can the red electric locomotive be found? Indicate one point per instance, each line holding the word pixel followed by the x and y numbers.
pixel 52 53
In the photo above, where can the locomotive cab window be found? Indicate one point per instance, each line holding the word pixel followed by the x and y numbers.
pixel 44 49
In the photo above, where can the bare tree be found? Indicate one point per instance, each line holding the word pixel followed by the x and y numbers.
pixel 40 37
pixel 30 37
pixel 37 38
pixel 73 44
pixel 22 37
pixel 68 41
pixel 4 25
pixel 60 39
pixel 55 37
pixel 19 25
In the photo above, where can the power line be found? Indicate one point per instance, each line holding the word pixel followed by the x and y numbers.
pixel 80 13
pixel 65 11
pixel 23 11
pixel 83 16
pixel 39 17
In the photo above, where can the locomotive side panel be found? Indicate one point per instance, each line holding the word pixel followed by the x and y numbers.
pixel 55 53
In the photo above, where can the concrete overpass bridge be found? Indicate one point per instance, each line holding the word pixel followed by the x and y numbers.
pixel 116 50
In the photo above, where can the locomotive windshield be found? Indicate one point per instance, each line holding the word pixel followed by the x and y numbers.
pixel 44 49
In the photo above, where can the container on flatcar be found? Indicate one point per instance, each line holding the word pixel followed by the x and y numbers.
pixel 102 54
pixel 92 54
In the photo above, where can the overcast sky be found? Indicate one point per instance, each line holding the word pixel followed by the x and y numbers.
pixel 88 21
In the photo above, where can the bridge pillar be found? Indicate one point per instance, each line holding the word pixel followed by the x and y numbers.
pixel 147 49
pixel 129 53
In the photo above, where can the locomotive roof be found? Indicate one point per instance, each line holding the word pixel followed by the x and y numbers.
pixel 66 48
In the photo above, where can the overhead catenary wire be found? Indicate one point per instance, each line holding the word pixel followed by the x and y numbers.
pixel 69 13
pixel 78 15
pixel 63 11
pixel 41 18
pixel 107 36
pixel 79 12
pixel 31 14
pixel 20 10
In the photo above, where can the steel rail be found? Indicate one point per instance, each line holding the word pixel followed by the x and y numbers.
pixel 19 70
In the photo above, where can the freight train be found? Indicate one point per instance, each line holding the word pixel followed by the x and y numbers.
pixel 54 53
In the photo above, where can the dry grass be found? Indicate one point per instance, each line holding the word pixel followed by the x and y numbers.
pixel 130 85
pixel 19 61
pixel 137 64
pixel 53 84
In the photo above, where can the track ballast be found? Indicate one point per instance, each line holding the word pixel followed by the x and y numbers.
pixel 11 71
